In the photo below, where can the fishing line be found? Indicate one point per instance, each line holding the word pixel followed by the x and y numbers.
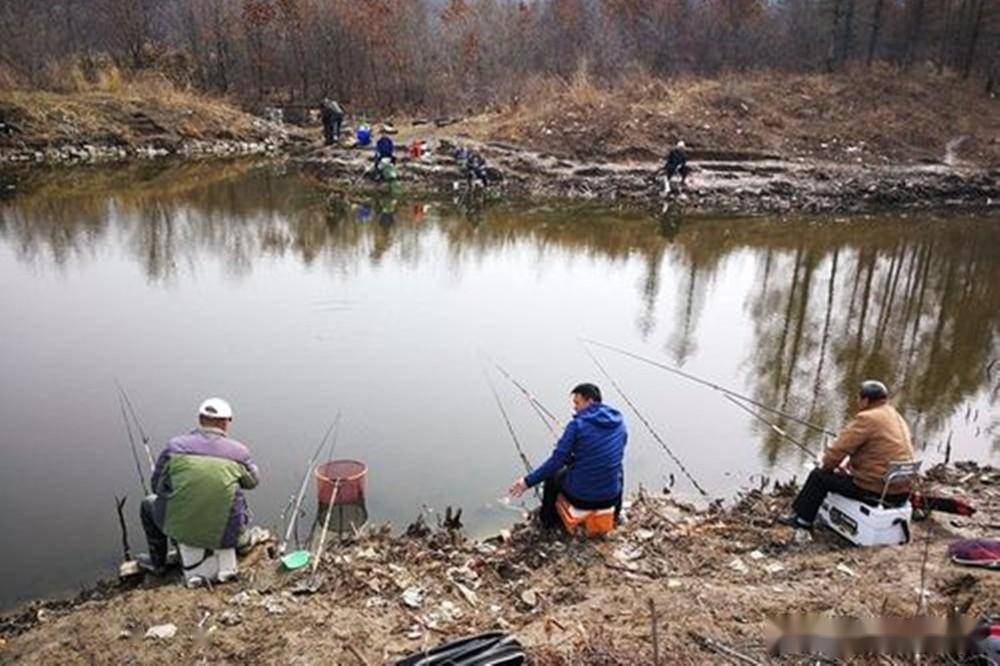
pixel 548 418
pixel 775 427
pixel 131 441
pixel 717 387
pixel 645 422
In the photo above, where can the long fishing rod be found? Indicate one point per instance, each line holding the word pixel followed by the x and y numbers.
pixel 138 424
pixel 506 420
pixel 548 418
pixel 131 442
pixel 645 422
pixel 717 387
pixel 774 426
pixel 305 484
pixel 329 507
pixel 326 525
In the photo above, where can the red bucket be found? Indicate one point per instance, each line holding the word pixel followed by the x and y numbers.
pixel 349 477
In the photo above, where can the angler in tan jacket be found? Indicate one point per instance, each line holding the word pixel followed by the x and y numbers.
pixel 875 437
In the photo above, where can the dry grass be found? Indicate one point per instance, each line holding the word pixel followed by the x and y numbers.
pixel 879 115
pixel 106 106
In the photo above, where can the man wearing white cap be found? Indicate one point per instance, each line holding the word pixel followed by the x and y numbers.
pixel 198 483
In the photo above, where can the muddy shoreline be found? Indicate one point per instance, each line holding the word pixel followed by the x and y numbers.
pixel 723 183
pixel 717 573
pixel 726 182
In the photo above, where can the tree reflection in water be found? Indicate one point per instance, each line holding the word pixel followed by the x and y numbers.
pixel 912 301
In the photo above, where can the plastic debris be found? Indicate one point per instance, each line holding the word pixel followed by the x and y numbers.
pixel 739 566
pixel 274 607
pixel 162 632
pixel 844 569
pixel 230 618
pixel 774 567
pixel 413 597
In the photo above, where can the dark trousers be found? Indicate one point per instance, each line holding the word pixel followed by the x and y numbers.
pixel 551 488
pixel 331 129
pixel 821 481
pixel 157 540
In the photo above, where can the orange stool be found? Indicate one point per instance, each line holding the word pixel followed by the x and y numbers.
pixel 595 522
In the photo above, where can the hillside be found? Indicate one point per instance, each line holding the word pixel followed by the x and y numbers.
pixel 867 116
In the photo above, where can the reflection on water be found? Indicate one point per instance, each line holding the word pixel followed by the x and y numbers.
pixel 246 282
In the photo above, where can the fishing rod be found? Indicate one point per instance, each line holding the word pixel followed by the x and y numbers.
pixel 645 422
pixel 506 420
pixel 329 507
pixel 774 426
pixel 138 424
pixel 131 442
pixel 293 519
pixel 717 387
pixel 547 417
pixel 326 525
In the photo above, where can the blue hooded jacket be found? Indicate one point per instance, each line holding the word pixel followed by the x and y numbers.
pixel 593 445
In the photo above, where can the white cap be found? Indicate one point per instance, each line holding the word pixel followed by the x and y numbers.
pixel 215 408
pixel 680 144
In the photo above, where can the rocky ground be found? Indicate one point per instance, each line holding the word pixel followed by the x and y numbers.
pixel 143 120
pixel 860 141
pixel 740 183
pixel 711 577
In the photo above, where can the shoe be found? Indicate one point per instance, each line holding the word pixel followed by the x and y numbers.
pixel 793 520
pixel 147 564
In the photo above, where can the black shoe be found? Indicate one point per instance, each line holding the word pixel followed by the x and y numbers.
pixel 793 520
pixel 147 564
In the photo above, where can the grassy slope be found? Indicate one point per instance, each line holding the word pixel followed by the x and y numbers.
pixel 877 116
pixel 144 112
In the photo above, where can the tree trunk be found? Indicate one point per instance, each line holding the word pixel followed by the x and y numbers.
pixel 971 52
pixel 876 27
pixel 916 31
pixel 847 47
pixel 833 57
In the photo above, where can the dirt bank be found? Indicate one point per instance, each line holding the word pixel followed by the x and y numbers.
pixel 139 120
pixel 716 574
pixel 739 183
pixel 861 141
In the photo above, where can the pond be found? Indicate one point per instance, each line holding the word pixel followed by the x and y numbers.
pixel 244 281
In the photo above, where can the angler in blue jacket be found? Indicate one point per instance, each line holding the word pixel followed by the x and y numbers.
pixel 586 465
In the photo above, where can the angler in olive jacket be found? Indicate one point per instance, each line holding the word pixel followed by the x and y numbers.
pixel 875 437
pixel 199 481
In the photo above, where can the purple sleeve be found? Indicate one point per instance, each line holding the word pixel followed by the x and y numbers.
pixel 161 464
pixel 558 458
pixel 252 476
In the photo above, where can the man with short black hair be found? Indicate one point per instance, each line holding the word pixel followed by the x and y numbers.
pixel 198 483
pixel 586 465
pixel 875 437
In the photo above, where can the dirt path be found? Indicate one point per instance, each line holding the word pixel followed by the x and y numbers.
pixel 715 574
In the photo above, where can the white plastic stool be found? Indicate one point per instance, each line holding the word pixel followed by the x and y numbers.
pixel 872 523
pixel 207 566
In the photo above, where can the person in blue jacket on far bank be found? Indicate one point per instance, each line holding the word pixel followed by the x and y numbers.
pixel 587 463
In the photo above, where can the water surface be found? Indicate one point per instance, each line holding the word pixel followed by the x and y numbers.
pixel 244 282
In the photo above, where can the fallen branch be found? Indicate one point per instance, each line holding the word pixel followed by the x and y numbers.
pixel 719 648
pixel 120 505
pixel 353 650
pixel 656 634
